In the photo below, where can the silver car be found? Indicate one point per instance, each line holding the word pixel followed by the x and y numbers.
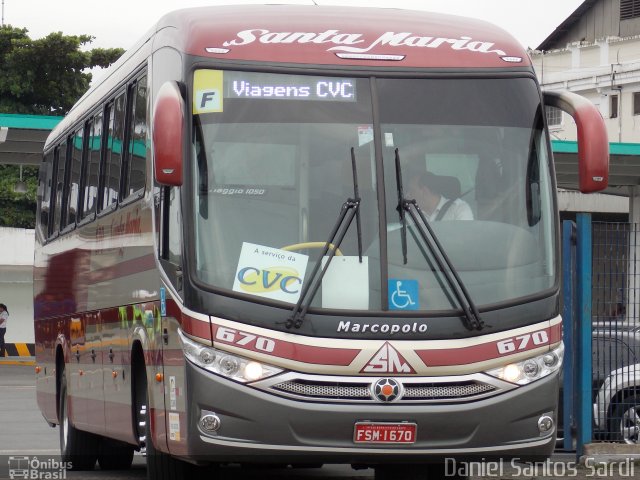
pixel 617 401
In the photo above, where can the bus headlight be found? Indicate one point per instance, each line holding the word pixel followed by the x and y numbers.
pixel 531 369
pixel 225 364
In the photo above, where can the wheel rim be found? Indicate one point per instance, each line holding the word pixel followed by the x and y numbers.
pixel 142 428
pixel 630 426
pixel 64 423
pixel 65 432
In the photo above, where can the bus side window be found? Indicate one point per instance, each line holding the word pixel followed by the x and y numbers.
pixel 73 178
pixel 91 166
pixel 44 194
pixel 114 120
pixel 171 243
pixel 134 180
pixel 57 199
pixel 174 245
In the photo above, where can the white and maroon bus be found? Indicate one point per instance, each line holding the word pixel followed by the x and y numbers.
pixel 305 235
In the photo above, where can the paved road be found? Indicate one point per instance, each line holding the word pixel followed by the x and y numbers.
pixel 24 433
pixel 26 437
pixel 22 428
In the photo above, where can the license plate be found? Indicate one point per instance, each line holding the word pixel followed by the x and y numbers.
pixel 368 432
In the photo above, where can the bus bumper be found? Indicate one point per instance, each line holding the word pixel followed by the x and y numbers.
pixel 258 427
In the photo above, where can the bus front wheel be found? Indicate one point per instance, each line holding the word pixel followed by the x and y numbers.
pixel 114 455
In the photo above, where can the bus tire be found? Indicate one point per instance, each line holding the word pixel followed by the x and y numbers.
pixel 114 455
pixel 78 449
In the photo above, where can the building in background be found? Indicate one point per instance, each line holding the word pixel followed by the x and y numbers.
pixel 595 52
pixel 16 282
pixel 22 139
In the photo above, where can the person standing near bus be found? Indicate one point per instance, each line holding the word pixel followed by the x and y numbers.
pixel 4 317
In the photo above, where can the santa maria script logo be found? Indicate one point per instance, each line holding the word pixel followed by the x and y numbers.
pixel 356 43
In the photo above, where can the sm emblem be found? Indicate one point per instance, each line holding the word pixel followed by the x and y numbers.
pixel 387 360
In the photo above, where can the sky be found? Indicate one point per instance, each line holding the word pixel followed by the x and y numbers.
pixel 119 23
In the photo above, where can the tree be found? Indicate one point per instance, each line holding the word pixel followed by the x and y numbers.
pixel 46 76
pixel 17 210
pixel 42 77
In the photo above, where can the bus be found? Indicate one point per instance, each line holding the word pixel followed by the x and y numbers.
pixel 300 235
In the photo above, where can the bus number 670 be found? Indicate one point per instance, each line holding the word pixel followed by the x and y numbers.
pixel 244 339
pixel 521 342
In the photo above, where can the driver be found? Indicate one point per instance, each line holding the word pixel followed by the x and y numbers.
pixel 423 187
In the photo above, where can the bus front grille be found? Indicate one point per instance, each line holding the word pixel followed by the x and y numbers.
pixel 360 389
pixel 324 390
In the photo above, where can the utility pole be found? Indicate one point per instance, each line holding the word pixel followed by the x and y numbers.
pixel 3 13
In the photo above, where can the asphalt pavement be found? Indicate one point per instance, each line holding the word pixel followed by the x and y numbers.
pixel 22 427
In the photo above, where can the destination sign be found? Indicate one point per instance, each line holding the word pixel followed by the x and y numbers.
pixel 288 87
pixel 212 87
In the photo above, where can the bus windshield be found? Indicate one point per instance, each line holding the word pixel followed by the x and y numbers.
pixel 272 170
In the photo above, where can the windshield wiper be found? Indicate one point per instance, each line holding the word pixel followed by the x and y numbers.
pixel 400 208
pixel 472 319
pixel 349 210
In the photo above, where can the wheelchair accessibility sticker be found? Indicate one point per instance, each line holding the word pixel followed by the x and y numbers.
pixel 403 294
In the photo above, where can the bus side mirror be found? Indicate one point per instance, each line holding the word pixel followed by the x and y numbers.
pixel 168 135
pixel 593 142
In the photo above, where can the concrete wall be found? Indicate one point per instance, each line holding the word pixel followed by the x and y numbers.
pixel 16 282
